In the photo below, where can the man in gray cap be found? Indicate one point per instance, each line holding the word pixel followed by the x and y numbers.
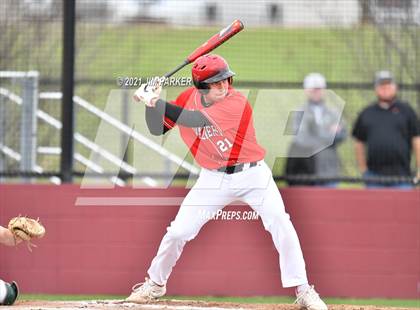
pixel 385 134
pixel 318 125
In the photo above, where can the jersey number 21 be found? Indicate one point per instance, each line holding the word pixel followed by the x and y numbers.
pixel 224 144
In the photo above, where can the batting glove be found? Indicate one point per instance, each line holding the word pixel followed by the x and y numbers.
pixel 148 93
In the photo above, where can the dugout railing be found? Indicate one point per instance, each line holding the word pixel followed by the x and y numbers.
pixel 28 172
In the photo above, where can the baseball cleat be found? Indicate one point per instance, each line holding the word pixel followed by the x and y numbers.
pixel 310 300
pixel 145 291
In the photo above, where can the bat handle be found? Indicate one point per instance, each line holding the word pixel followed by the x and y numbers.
pixel 169 74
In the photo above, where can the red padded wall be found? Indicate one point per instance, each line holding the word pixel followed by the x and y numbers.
pixel 357 243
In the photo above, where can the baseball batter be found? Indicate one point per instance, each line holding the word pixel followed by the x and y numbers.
pixel 215 122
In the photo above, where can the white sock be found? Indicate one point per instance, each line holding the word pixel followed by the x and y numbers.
pixel 3 291
pixel 301 288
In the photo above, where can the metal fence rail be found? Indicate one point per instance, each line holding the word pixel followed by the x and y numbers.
pixel 86 142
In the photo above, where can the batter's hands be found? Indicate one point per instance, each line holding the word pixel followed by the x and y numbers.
pixel 148 93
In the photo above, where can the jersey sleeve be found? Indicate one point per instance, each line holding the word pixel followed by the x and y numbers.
pixel 180 101
pixel 228 113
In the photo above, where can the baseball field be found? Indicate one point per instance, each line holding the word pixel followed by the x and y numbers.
pixel 201 302
pixel 103 230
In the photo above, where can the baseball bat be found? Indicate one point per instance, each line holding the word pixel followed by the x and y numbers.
pixel 216 40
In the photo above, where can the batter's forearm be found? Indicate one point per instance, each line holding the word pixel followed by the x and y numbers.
pixel 154 121
pixel 360 151
pixel 182 116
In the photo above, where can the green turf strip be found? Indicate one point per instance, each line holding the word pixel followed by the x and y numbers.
pixel 409 303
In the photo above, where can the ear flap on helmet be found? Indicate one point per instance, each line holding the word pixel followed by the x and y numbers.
pixel 204 91
pixel 202 87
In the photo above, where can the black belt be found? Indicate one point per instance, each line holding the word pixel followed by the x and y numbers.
pixel 237 168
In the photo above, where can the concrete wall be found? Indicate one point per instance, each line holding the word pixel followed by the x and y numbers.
pixel 357 243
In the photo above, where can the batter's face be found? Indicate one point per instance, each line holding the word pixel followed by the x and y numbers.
pixel 217 91
pixel 386 91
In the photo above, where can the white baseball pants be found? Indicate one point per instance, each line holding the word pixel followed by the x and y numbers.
pixel 212 192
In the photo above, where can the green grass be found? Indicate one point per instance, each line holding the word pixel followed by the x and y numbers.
pixel 256 54
pixel 146 51
pixel 66 297
pixel 409 303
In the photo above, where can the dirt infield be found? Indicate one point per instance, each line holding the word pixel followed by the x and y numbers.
pixel 170 305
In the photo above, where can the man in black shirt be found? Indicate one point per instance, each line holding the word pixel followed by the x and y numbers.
pixel 385 133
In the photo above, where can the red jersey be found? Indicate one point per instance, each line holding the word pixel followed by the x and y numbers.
pixel 229 140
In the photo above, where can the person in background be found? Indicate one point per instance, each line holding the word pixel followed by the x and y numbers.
pixel 318 125
pixel 8 291
pixel 386 132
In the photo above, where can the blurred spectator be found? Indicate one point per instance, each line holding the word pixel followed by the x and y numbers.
pixel 385 133
pixel 318 126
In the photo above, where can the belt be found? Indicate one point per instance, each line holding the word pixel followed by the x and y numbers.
pixel 237 168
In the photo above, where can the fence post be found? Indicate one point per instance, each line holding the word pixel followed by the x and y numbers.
pixel 67 88
pixel 28 127
pixel 418 98
pixel 125 119
pixel 2 134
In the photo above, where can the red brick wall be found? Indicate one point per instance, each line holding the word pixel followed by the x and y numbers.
pixel 357 243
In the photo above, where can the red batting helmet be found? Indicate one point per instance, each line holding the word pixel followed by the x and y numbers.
pixel 210 69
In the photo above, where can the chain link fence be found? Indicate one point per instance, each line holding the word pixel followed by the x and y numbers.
pixel 346 41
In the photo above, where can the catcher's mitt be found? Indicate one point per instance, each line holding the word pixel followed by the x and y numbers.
pixel 24 228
